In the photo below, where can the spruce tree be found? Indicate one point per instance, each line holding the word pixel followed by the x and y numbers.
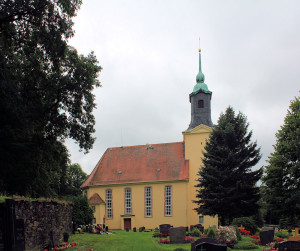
pixel 282 179
pixel 226 183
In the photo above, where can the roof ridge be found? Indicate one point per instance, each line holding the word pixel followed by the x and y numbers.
pixel 168 143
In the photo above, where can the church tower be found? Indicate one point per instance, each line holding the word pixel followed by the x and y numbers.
pixel 195 138
pixel 200 101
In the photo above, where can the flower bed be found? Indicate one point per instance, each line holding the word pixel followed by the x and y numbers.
pixel 62 246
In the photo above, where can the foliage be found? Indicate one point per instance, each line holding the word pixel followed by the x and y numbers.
pixel 282 179
pixel 281 234
pixel 211 232
pixel 75 177
pixel 226 183
pixel 238 234
pixel 82 213
pixel 156 235
pixel 45 95
pixel 196 232
pixel 245 245
pixel 226 235
pixel 247 223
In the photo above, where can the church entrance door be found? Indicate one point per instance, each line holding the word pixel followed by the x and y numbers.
pixel 127 223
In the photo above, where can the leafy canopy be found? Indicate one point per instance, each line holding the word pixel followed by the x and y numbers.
pixel 226 183
pixel 282 179
pixel 45 95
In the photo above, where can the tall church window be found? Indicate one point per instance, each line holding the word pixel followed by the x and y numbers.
pixel 200 103
pixel 168 200
pixel 108 196
pixel 128 201
pixel 148 201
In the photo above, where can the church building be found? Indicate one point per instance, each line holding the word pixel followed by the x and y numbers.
pixel 149 185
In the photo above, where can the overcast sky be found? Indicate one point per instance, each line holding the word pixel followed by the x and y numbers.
pixel 149 53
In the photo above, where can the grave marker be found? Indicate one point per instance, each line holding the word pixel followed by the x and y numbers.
pixel 207 244
pixel 289 246
pixel 296 237
pixel 177 234
pixel 266 236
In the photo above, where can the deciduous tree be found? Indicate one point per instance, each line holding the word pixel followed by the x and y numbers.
pixel 282 179
pixel 45 94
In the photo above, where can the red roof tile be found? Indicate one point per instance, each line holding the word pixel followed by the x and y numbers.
pixel 144 163
pixel 95 199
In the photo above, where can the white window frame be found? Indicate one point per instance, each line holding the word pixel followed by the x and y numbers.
pixel 109 205
pixel 128 205
pixel 168 200
pixel 148 201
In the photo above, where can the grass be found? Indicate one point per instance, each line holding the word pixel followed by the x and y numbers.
pixel 121 241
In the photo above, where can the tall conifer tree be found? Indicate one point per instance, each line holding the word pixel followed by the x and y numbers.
pixel 282 179
pixel 226 182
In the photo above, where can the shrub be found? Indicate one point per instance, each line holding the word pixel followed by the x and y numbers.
pixel 281 234
pixel 66 236
pixel 245 246
pixel 247 222
pixel 226 235
pixel 195 232
pixel 211 232
pixel 155 235
pixel 238 234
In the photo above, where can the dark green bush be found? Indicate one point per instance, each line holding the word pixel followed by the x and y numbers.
pixel 66 236
pixel 195 232
pixel 245 245
pixel 211 232
pixel 247 223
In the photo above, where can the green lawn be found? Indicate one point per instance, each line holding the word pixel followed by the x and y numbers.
pixel 122 240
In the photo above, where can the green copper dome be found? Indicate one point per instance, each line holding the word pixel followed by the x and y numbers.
pixel 200 86
pixel 200 77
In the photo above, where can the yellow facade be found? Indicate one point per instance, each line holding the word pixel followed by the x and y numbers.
pixel 183 194
pixel 137 217
pixel 195 141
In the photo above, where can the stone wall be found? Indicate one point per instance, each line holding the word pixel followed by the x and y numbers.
pixel 43 221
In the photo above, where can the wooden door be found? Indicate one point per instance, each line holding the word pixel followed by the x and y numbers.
pixel 127 223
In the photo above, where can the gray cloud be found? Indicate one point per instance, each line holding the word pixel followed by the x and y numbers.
pixel 148 51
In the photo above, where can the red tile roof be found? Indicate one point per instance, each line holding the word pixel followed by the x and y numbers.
pixel 95 199
pixel 144 163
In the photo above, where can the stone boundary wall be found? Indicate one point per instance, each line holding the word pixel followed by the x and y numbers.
pixel 44 222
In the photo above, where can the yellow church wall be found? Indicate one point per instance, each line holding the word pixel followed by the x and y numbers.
pixel 195 141
pixel 179 205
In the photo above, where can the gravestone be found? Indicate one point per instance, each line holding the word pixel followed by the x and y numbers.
pixel 289 246
pixel 106 228
pixel 141 229
pixel 267 228
pixel 207 244
pixel 134 229
pixel 127 229
pixel 296 237
pixel 177 234
pixel 165 228
pixel 266 237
